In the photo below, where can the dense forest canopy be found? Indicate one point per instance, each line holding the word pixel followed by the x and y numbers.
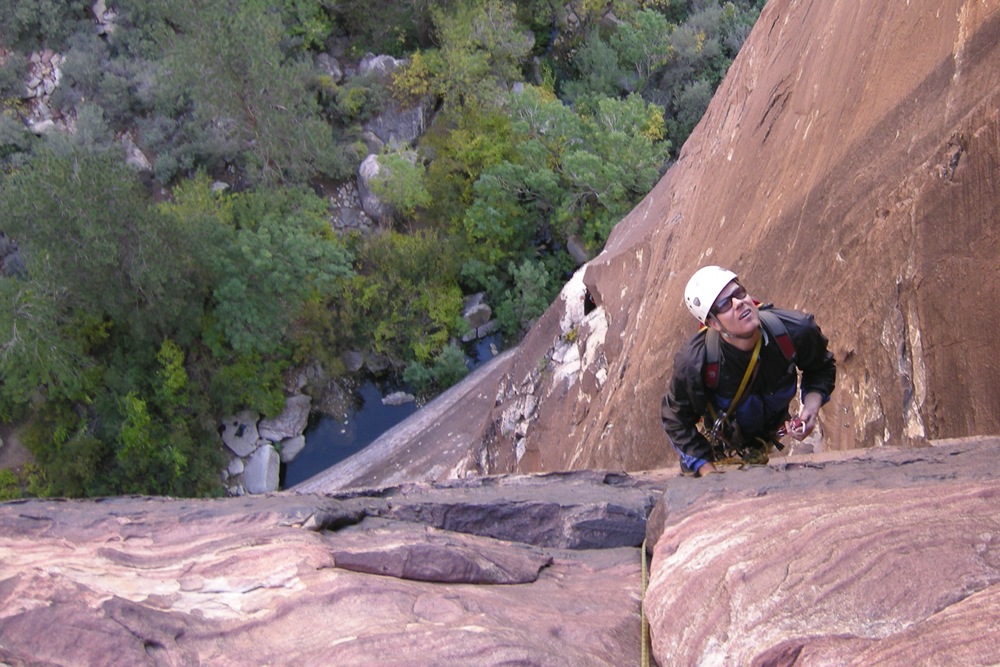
pixel 147 303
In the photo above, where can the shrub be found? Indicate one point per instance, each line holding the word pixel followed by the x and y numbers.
pixel 405 300
pixel 10 485
pixel 15 141
pixel 13 73
pixel 29 26
pixel 448 367
pixel 526 300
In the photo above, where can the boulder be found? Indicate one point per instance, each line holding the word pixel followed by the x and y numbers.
pixel 262 471
pixel 373 207
pixel 398 398
pixel 475 311
pixel 353 360
pixel 236 466
pixel 290 423
pixel 381 65
pixel 134 156
pixel 239 433
pixel 292 447
pixel 377 363
pixel 105 18
pixel 330 66
pixel 398 127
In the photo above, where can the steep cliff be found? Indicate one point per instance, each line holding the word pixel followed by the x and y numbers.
pixel 849 166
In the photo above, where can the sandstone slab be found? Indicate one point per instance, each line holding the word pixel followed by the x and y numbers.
pixel 140 581
pixel 891 559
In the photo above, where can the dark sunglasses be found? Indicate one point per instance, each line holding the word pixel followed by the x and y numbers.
pixel 724 304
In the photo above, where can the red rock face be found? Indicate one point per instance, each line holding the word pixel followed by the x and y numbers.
pixel 890 561
pixel 270 580
pixel 849 166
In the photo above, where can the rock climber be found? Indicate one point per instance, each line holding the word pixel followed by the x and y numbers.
pixel 738 375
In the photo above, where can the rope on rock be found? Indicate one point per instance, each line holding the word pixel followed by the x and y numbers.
pixel 644 653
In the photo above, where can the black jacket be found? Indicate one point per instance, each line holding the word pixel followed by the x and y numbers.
pixel 764 407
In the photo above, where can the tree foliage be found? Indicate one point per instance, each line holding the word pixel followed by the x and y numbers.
pixel 480 51
pixel 400 182
pixel 41 23
pixel 404 301
pixel 282 251
pixel 135 321
pixel 134 324
pixel 570 175
pixel 447 368
pixel 240 82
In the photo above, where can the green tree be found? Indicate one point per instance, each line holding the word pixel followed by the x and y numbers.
pixel 94 329
pixel 400 182
pixel 71 459
pixel 522 304
pixel 642 46
pixel 479 138
pixel 598 72
pixel 93 243
pixel 570 175
pixel 41 23
pixel 394 27
pixel 309 22
pixel 34 351
pixel 447 368
pixel 147 465
pixel 405 301
pixel 241 84
pixel 482 48
pixel 282 253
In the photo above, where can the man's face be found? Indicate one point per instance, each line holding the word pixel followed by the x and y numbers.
pixel 734 310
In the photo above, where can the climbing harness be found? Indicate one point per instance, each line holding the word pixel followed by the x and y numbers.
pixel 723 435
pixel 728 444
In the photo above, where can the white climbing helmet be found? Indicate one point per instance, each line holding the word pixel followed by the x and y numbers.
pixel 704 288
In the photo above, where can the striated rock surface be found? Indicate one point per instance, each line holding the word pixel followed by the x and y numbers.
pixel 312 580
pixel 890 560
pixel 888 557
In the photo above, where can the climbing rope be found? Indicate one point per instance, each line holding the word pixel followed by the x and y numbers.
pixel 644 653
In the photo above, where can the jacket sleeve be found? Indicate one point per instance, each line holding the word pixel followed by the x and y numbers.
pixel 812 355
pixel 684 404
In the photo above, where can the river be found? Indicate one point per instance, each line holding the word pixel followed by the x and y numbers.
pixel 330 441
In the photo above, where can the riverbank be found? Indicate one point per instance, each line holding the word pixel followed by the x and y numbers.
pixel 440 439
